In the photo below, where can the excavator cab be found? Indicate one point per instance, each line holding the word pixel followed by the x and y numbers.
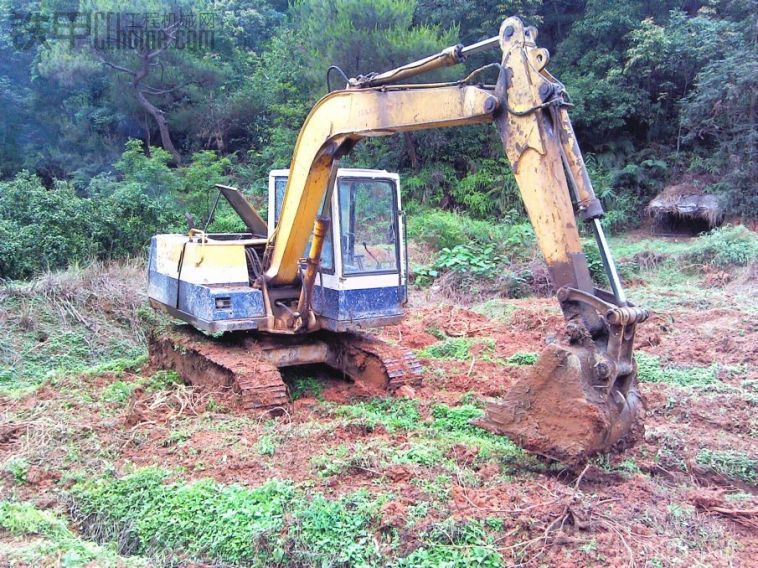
pixel 363 273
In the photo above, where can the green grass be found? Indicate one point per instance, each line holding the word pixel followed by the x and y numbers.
pixel 18 468
pixel 623 247
pixel 455 544
pixel 732 465
pixel 457 348
pixel 453 425
pixel 496 309
pixel 301 385
pixel 522 359
pixel 650 370
pixel 392 414
pixel 725 246
pixel 344 459
pixel 49 541
pixel 201 519
pixel 120 391
pixel 273 524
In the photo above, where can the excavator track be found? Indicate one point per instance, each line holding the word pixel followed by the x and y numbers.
pixel 247 364
pixel 225 365
pixel 374 363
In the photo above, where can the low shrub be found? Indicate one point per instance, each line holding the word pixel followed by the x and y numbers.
pixel 725 246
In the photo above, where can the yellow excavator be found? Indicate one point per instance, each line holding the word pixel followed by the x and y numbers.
pixel 274 306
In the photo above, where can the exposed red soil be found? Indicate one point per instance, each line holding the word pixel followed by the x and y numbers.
pixel 563 517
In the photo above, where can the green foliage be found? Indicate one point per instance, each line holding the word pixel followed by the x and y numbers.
pixel 656 89
pixel 522 358
pixel 272 524
pixel 424 454
pixel 454 425
pixel 478 263
pixel 456 419
pixel 393 414
pixel 444 229
pixel 719 125
pixel 458 348
pixel 733 465
pixel 119 391
pixel 43 229
pixel 202 519
pixel 455 544
pixel 301 385
pixel 650 370
pixel 266 445
pixel 338 532
pixel 725 246
pixel 17 468
pixel 161 380
pixel 54 542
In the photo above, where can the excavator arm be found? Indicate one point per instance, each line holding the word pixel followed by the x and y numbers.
pixel 582 396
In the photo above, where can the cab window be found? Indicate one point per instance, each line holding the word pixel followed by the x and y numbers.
pixel 368 232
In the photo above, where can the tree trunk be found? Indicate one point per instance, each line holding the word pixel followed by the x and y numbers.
pixel 411 147
pixel 160 120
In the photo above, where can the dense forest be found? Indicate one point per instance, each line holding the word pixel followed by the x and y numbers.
pixel 105 139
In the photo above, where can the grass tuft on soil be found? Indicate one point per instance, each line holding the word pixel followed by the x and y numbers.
pixel 457 348
pixel 393 414
pixel 650 370
pixel 455 544
pixel 42 538
pixel 82 320
pixel 732 465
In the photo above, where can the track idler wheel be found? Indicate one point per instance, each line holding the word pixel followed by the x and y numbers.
pixel 564 410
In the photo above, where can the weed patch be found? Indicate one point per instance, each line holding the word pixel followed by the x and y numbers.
pixel 17 468
pixel 496 309
pixel 303 385
pixel 455 545
pixel 522 359
pixel 457 348
pixel 453 424
pixel 732 465
pixel 120 391
pixel 55 545
pixel 725 246
pixel 336 533
pixel 393 414
pixel 650 370
pixel 273 524
pixel 148 516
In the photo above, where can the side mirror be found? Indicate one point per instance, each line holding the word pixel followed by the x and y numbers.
pixel 190 220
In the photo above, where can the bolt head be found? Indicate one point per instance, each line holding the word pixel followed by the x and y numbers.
pixel 508 32
pixel 603 370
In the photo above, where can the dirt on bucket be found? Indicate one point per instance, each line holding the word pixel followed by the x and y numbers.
pixel 558 411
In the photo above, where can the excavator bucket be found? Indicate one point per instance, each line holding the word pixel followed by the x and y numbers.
pixel 562 410
pixel 581 397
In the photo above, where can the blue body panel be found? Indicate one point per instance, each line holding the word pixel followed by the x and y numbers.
pixel 241 302
pixel 198 300
pixel 352 305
